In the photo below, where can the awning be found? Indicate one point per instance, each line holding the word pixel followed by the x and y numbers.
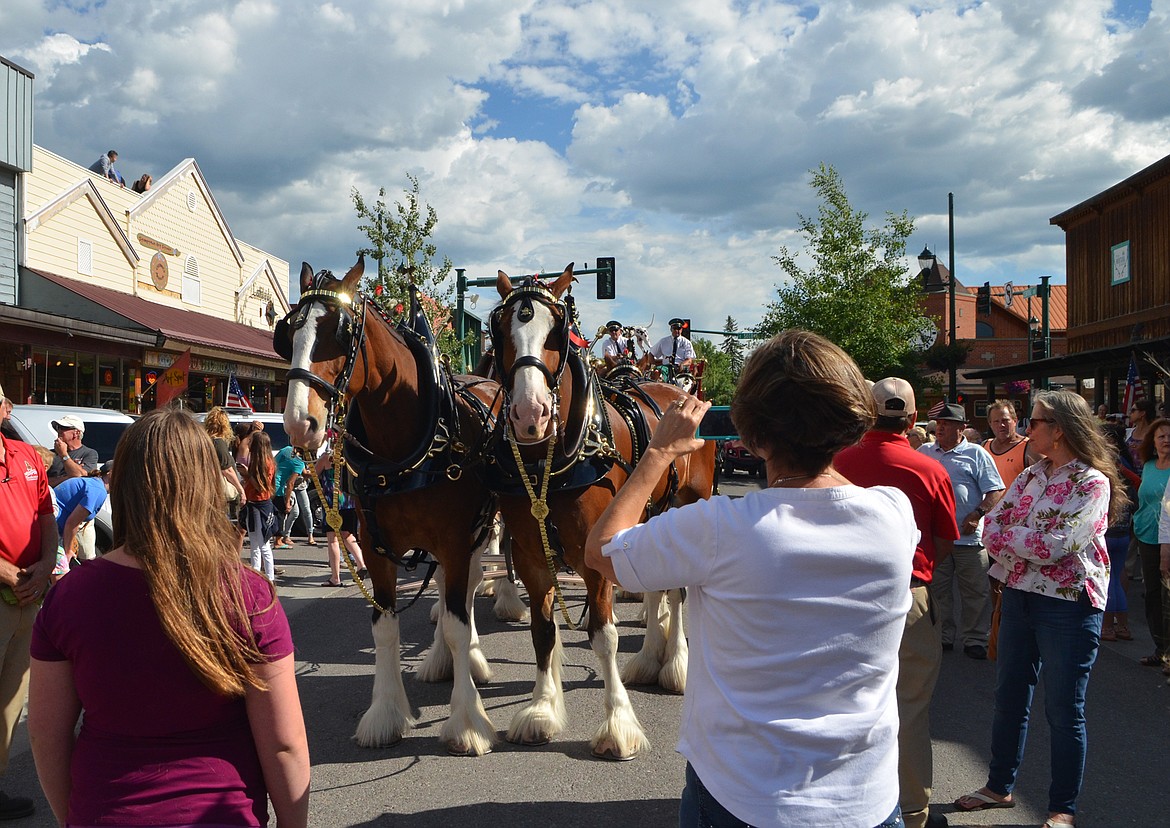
pixel 1082 363
pixel 78 300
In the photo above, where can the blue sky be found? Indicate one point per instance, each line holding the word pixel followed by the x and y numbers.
pixel 676 137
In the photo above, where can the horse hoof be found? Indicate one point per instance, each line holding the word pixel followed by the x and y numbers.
pixel 464 750
pixel 537 742
pixel 611 755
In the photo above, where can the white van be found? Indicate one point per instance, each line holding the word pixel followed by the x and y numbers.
pixel 33 424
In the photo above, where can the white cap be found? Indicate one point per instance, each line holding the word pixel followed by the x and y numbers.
pixel 894 397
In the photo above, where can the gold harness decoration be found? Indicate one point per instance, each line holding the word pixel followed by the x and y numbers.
pixel 540 510
pixel 333 505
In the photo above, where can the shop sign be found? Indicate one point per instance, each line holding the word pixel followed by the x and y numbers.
pixel 205 365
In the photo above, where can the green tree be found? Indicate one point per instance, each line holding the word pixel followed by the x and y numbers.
pixel 718 378
pixel 857 292
pixel 400 242
pixel 732 346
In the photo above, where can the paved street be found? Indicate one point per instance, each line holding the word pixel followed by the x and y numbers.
pixel 559 783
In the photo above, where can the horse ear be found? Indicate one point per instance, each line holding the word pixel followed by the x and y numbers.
pixel 563 281
pixel 503 284
pixel 306 276
pixel 353 279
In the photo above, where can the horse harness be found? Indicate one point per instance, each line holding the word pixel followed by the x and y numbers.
pixel 440 455
pixel 587 441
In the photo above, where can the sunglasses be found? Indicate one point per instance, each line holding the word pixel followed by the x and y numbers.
pixel 1048 420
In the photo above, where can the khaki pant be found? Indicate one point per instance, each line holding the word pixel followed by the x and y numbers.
pixel 919 658
pixel 16 625
pixel 968 566
pixel 86 541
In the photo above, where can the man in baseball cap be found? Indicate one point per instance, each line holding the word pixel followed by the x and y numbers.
pixel 884 458
pixel 73 459
pixel 978 487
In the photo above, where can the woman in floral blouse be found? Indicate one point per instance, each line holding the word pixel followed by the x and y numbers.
pixel 1047 538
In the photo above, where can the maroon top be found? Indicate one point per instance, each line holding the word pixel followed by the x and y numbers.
pixel 156 746
pixel 884 459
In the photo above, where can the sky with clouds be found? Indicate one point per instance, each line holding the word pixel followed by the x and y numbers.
pixel 674 135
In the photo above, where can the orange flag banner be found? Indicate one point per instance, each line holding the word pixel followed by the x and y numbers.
pixel 172 382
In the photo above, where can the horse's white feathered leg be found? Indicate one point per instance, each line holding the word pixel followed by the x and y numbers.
pixel 437 664
pixel 620 736
pixel 388 716
pixel 545 716
pixel 481 673
pixel 468 731
pixel 644 666
pixel 509 605
pixel 673 676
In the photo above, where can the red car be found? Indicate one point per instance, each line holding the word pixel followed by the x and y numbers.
pixel 735 457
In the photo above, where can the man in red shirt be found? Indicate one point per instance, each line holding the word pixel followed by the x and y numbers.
pixel 884 458
pixel 28 550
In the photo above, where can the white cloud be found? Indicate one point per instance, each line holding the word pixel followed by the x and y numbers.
pixel 691 126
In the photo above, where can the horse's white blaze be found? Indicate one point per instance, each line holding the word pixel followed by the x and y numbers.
pixel 620 736
pixel 389 714
pixel 297 421
pixel 531 408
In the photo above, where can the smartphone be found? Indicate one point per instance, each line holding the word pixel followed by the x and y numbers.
pixel 716 424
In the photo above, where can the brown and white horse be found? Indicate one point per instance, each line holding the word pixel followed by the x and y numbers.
pixel 556 419
pixel 341 348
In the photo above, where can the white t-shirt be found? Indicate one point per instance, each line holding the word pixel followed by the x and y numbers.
pixel 612 347
pixel 797 604
pixel 665 346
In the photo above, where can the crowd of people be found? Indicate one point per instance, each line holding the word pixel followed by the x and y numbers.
pixel 1031 530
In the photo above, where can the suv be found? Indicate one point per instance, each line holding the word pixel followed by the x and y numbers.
pixel 33 424
pixel 734 457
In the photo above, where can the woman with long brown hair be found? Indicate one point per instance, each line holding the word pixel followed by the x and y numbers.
pixel 180 657
pixel 1047 538
pixel 258 517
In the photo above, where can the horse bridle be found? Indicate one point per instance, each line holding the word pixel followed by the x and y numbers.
pixel 524 295
pixel 350 333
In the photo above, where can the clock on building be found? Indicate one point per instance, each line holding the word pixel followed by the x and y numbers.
pixel 158 270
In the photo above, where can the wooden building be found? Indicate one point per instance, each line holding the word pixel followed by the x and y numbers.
pixel 1117 253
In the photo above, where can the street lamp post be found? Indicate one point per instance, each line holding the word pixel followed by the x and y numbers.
pixel 931 282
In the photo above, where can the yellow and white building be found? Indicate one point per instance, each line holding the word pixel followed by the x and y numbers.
pixel 112 286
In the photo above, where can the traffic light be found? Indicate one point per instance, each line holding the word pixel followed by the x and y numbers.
pixel 1039 348
pixel 686 328
pixel 983 300
pixel 606 278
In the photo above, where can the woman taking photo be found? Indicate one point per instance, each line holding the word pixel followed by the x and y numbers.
pixel 1047 538
pixel 179 656
pixel 798 598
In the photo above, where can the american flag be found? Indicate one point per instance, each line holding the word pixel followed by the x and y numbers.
pixel 235 395
pixel 936 409
pixel 1135 389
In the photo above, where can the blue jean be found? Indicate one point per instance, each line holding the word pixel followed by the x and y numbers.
pixel 1039 632
pixel 698 809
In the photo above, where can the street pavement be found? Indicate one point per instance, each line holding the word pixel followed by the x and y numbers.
pixel 417 783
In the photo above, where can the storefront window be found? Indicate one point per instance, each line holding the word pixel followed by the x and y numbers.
pixel 61 378
pixel 86 379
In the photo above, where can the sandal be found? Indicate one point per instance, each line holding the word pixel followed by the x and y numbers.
pixel 1123 633
pixel 1151 661
pixel 1108 634
pixel 330 584
pixel 982 801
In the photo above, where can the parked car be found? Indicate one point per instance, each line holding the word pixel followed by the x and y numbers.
pixel 33 424
pixel 734 457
